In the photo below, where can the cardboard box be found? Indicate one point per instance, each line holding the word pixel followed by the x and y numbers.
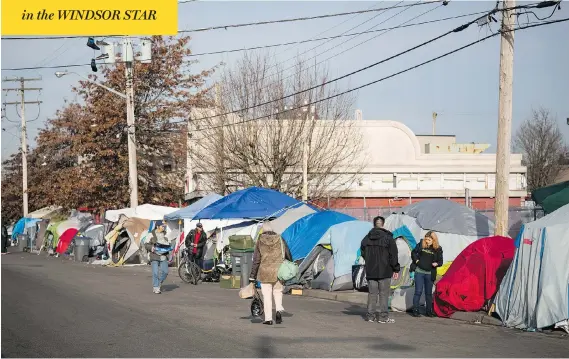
pixel 230 282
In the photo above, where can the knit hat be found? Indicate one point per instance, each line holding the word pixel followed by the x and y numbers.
pixel 158 224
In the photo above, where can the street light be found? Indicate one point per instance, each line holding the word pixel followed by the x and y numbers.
pixel 132 168
pixel 60 74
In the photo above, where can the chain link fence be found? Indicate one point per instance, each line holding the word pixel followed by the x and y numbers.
pixel 517 216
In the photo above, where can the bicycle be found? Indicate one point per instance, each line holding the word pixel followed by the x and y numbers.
pixel 188 270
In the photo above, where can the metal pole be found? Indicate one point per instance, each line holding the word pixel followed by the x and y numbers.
pixel 24 150
pixel 132 167
pixel 504 121
pixel 305 171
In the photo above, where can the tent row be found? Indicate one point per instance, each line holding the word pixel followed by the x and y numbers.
pixel 527 279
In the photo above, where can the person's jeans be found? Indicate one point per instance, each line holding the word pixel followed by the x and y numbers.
pixel 423 282
pixel 270 291
pixel 159 272
pixel 379 290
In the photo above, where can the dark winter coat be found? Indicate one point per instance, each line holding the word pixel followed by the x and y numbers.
pixel 425 257
pixel 379 251
pixel 190 239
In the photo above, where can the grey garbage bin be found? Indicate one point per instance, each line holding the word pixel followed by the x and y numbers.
pixel 242 262
pixel 22 242
pixel 81 248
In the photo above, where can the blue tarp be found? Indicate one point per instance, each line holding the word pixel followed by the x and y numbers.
pixel 303 234
pixel 406 233
pixel 193 209
pixel 251 203
pixel 22 224
pixel 345 239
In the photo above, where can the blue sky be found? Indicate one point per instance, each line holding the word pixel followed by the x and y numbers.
pixel 461 88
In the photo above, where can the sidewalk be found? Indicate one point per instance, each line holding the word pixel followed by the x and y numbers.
pixel 360 298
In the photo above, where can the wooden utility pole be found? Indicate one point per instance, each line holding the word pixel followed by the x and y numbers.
pixel 131 141
pixel 501 206
pixel 24 144
pixel 434 122
pixel 189 168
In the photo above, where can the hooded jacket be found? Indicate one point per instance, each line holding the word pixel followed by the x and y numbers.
pixel 268 257
pixel 379 251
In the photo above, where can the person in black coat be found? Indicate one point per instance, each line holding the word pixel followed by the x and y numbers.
pixel 379 251
pixel 427 257
pixel 4 238
pixel 195 243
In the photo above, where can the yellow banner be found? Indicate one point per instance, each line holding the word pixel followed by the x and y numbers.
pixel 97 17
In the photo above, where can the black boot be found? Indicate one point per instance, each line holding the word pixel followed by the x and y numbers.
pixel 416 313
pixel 279 318
pixel 268 322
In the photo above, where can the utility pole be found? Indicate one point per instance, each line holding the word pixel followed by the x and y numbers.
pixel 189 169
pixel 305 171
pixel 23 104
pixel 434 121
pixel 504 120
pixel 132 168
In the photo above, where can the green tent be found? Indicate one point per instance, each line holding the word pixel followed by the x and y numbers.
pixel 552 197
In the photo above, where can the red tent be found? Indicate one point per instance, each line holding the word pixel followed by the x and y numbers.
pixel 65 240
pixel 474 276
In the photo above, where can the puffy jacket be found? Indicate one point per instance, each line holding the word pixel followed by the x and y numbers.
pixel 268 257
pixel 379 251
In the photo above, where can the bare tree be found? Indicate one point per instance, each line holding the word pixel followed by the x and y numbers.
pixel 542 145
pixel 263 144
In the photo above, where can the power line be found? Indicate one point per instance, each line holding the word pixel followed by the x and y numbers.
pixel 338 36
pixel 344 51
pixel 458 29
pixel 383 78
pixel 273 45
pixel 228 26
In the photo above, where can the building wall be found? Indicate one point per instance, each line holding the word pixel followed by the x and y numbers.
pixel 477 203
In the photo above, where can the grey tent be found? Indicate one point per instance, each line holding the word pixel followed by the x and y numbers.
pixel 292 215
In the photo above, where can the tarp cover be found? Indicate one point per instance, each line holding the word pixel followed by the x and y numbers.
pixel 21 226
pixel 292 215
pixel 446 216
pixel 534 293
pixel 191 210
pixel 474 277
pixel 45 212
pixel 305 233
pixel 251 203
pixel 145 211
pixel 552 197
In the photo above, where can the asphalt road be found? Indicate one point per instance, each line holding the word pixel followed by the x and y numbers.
pixel 57 308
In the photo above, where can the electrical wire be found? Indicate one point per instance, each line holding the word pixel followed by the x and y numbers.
pixel 273 45
pixel 306 18
pixel 387 77
pixel 455 30
pixel 351 48
pixel 338 36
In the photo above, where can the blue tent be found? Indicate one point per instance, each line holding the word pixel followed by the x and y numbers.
pixel 193 209
pixel 22 224
pixel 250 203
pixel 344 240
pixel 303 234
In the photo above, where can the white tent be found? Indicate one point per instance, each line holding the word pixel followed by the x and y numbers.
pixel 145 211
pixel 534 294
pixel 44 212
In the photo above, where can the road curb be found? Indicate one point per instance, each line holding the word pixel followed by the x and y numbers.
pixel 361 299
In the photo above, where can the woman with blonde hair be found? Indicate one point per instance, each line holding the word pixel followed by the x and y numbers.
pixel 427 256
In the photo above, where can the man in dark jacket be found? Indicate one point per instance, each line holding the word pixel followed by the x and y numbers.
pixel 4 239
pixel 379 251
pixel 195 243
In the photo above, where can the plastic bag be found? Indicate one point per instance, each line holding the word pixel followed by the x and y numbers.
pixel 247 291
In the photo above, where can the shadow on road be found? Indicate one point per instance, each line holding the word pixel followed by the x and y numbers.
pixel 267 345
pixel 169 287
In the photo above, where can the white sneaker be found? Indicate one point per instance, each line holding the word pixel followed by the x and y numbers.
pixel 156 290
